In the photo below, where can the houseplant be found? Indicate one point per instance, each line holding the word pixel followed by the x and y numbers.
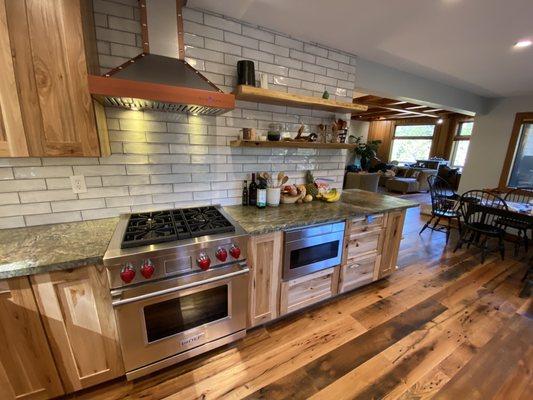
pixel 365 151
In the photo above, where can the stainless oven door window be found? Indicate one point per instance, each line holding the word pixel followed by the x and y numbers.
pixel 155 328
pixel 312 254
pixel 170 317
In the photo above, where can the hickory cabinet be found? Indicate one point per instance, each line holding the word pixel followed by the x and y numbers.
pixel 264 261
pixel 27 369
pixel 45 105
pixel 371 246
pixel 75 307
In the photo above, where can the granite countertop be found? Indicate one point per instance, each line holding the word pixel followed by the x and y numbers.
pixel 353 203
pixel 39 249
pixel 45 248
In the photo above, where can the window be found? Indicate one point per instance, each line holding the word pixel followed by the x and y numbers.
pixel 411 143
pixel 461 143
pixel 522 169
pixel 518 166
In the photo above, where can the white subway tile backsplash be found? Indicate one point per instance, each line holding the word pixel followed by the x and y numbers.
pixel 104 213
pixel 193 15
pixel 76 205
pixel 54 218
pixel 121 180
pixel 241 40
pixel 163 160
pixel 170 178
pixel 260 34
pixel 12 222
pixel 99 170
pixel 6 173
pixel 22 185
pixel 223 47
pixel 203 30
pixel 110 191
pixel 47 195
pixel 288 42
pixel 258 55
pixel 42 172
pixel 9 198
pixel 150 189
pixel 24 209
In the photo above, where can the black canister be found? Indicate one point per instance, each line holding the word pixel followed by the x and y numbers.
pixel 245 72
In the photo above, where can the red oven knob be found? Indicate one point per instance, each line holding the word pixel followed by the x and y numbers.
pixel 147 269
pixel 221 254
pixel 127 273
pixel 235 251
pixel 204 261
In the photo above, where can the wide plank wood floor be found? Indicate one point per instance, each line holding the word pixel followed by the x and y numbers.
pixel 443 326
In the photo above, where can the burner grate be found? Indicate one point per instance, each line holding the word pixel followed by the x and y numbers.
pixel 169 225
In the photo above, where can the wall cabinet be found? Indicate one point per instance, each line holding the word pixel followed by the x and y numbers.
pixel 79 321
pixel 264 260
pixel 27 369
pixel 45 105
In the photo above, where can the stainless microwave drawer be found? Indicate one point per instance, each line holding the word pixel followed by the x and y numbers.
pixel 314 230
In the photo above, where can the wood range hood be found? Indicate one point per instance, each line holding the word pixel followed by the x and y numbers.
pixel 160 79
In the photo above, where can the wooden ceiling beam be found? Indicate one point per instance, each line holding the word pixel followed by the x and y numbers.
pixel 399 109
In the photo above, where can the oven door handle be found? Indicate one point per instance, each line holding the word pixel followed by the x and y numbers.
pixel 118 293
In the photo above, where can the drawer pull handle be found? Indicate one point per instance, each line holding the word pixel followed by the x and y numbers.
pixel 352 266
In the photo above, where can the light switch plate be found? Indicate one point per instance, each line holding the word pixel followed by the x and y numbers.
pixel 78 184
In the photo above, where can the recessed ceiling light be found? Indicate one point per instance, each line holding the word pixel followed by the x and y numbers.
pixel 523 43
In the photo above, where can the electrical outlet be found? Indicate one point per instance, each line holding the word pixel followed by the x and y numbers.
pixel 78 184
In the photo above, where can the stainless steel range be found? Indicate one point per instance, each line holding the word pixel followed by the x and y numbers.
pixel 179 284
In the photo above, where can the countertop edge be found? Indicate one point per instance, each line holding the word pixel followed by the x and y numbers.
pixel 325 220
pixel 43 269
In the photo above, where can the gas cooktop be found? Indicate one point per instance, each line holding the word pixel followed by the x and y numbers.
pixel 170 225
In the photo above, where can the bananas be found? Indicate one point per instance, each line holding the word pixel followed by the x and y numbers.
pixel 330 196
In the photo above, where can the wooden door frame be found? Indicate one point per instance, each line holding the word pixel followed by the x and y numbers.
pixel 519 120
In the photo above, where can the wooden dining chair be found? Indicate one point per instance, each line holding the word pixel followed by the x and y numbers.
pixel 481 211
pixel 518 225
pixel 443 206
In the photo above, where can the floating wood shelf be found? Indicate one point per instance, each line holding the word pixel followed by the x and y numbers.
pixel 290 144
pixel 259 95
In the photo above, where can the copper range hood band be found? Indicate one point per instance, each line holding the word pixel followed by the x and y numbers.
pixel 105 87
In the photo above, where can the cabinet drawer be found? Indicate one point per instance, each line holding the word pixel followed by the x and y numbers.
pixel 362 243
pixel 306 290
pixel 358 272
pixel 368 223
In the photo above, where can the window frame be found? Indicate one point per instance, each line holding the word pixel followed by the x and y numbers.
pixel 514 140
pixel 459 138
pixel 412 123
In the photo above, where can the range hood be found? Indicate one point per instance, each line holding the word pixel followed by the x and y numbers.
pixel 159 78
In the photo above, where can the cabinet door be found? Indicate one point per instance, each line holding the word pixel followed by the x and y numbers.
pixel 307 290
pixel 27 369
pixel 264 259
pixel 79 321
pixel 46 38
pixel 391 244
pixel 12 139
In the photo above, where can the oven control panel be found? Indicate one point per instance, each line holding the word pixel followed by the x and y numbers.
pixel 141 269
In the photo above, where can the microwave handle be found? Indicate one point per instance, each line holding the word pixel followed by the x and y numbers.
pixel 117 303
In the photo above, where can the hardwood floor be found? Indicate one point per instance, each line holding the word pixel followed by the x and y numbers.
pixel 443 326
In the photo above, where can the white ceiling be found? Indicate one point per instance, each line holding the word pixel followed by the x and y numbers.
pixel 464 43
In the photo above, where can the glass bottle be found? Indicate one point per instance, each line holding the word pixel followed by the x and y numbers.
pixel 245 193
pixel 252 192
pixel 262 194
